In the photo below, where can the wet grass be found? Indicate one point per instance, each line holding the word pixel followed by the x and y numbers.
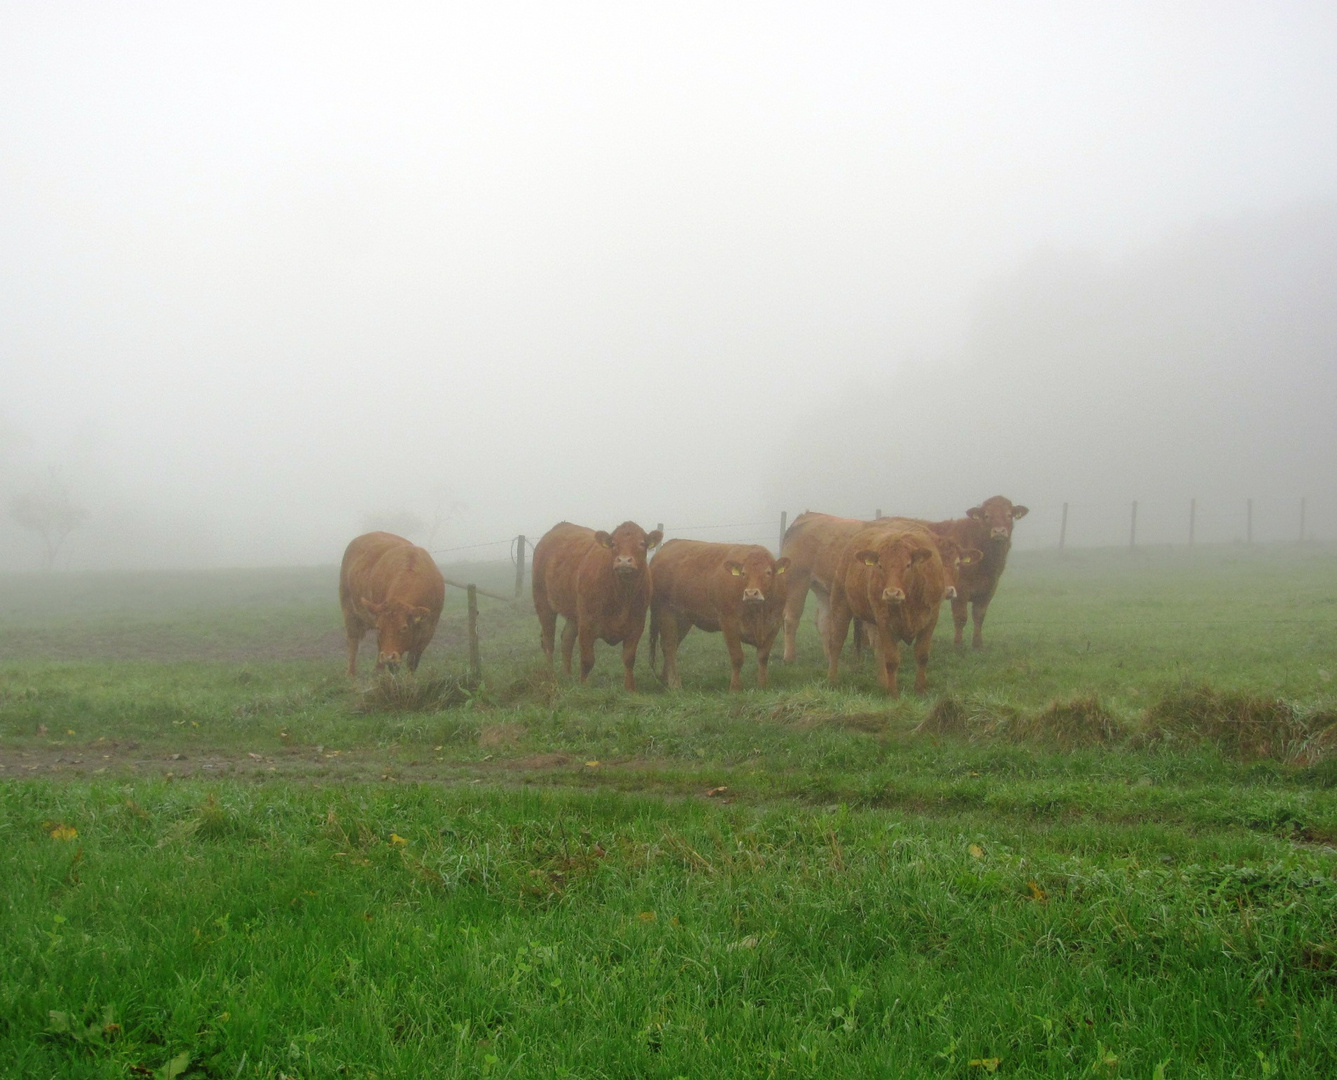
pixel 1106 845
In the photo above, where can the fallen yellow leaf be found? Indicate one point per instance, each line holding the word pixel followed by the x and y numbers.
pixel 987 1064
pixel 647 916
pixel 64 832
pixel 976 852
pixel 591 764
pixel 395 838
pixel 1037 893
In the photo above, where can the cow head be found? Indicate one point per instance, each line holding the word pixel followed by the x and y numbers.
pixel 889 567
pixel 630 544
pixel 997 515
pixel 954 556
pixel 396 630
pixel 759 575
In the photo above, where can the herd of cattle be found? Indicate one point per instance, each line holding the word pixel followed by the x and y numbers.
pixel 888 577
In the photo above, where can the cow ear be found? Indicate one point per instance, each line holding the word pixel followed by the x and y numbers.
pixel 781 565
pixel 603 539
pixel 919 555
pixel 868 558
pixel 419 613
pixel 971 555
pixel 1020 512
pixel 976 512
pixel 735 568
pixel 652 539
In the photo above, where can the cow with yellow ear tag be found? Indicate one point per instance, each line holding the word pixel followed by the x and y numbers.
pixel 892 578
pixel 738 590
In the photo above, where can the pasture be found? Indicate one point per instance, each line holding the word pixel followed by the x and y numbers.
pixel 1106 845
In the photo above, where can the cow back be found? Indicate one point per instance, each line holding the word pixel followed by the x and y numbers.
pixel 814 544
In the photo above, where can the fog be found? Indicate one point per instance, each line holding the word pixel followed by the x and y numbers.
pixel 272 275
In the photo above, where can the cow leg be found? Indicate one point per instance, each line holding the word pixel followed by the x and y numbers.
pixel 586 636
pixel 668 628
pixel 629 662
pixel 735 647
pixel 354 639
pixel 959 605
pixel 568 643
pixel 798 594
pixel 891 664
pixel 922 645
pixel 822 616
pixel 548 633
pixel 763 660
pixel 838 628
pixel 977 611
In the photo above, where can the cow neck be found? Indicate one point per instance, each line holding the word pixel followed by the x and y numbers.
pixel 995 556
pixel 628 587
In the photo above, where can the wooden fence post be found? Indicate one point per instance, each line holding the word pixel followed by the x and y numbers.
pixel 1132 529
pixel 475 659
pixel 877 513
pixel 660 527
pixel 1063 528
pixel 1248 522
pixel 784 518
pixel 1192 519
pixel 519 565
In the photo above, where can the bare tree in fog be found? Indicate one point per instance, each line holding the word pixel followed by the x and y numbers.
pixel 50 512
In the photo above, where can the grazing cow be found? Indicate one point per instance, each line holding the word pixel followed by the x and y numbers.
pixel 988 528
pixel 600 584
pixel 893 578
pixel 393 586
pixel 813 545
pixel 735 589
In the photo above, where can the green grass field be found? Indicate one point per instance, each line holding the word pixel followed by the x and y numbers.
pixel 1104 846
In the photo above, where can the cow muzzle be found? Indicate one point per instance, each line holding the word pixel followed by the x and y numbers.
pixel 950 594
pixel 1000 532
pixel 754 596
pixel 893 596
pixel 624 565
pixel 389 660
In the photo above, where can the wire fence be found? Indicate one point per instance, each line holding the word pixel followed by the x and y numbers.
pixel 1138 523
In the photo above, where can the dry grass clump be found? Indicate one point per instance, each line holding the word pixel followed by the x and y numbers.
pixel 972 718
pixel 1243 726
pixel 406 693
pixel 946 716
pixel 1078 722
pixel 539 684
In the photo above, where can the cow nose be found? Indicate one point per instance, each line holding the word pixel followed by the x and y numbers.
pixel 999 533
pixel 624 564
pixel 951 592
pixel 893 596
pixel 753 596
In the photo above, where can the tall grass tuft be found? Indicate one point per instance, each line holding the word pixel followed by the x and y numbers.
pixel 1068 725
pixel 1241 725
pixel 946 716
pixel 406 693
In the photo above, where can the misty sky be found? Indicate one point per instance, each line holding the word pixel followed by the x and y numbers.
pixel 267 271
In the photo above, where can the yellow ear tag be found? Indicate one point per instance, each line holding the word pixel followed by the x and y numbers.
pixel 735 571
pixel 781 569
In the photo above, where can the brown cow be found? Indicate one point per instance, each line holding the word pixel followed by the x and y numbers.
pixel 953 556
pixel 813 545
pixel 735 589
pixel 600 584
pixel 893 578
pixel 987 527
pixel 393 586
